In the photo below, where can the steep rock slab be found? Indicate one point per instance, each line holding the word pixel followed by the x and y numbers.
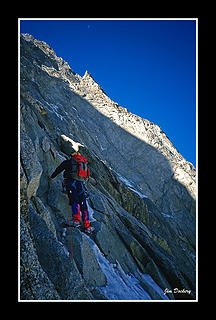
pixel 141 189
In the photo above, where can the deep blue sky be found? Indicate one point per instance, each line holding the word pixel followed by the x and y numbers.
pixel 147 66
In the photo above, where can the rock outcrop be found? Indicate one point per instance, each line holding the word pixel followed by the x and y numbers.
pixel 142 193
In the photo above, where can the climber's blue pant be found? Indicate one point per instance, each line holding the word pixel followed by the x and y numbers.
pixel 77 200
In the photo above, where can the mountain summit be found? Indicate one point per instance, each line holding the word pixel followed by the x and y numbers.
pixel 141 193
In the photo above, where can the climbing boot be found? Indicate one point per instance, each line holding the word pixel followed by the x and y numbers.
pixel 89 229
pixel 75 224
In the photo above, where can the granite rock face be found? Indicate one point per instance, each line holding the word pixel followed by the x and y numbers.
pixel 142 193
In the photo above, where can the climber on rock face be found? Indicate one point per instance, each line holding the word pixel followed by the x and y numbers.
pixel 76 172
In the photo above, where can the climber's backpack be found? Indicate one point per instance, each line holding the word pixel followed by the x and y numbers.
pixel 80 169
